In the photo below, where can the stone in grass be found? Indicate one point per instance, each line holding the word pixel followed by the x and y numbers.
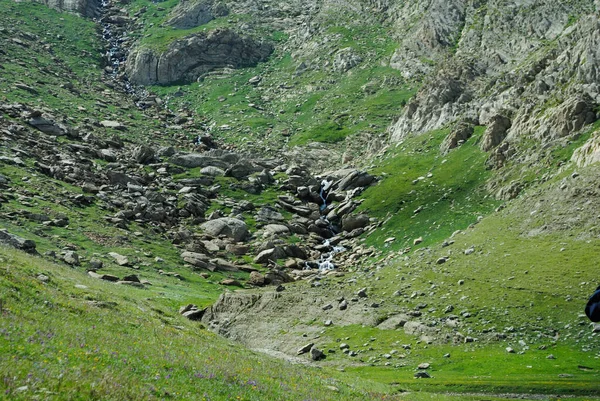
pixel 230 282
pixel 71 258
pixel 362 293
pixel 316 354
pixel 423 365
pixel 510 350
pixel 422 375
pixel 305 349
pixel 132 277
pixel 119 259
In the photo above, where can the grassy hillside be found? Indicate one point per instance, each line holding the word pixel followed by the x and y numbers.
pixel 480 282
pixel 66 336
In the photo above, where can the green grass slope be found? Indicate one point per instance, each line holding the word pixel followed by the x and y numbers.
pixel 71 337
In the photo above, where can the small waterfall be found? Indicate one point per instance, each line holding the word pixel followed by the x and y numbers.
pixel 325 262
pixel 325 186
pixel 116 54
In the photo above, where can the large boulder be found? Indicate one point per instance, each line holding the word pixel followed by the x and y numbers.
pixel 230 227
pixel 87 8
pixel 17 242
pixel 355 179
pixel 192 160
pixel 351 222
pixel 187 59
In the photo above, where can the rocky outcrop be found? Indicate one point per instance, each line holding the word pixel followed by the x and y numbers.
pixel 190 14
pixel 87 8
pixel 440 27
pixel 187 59
pixel 495 132
pixel 535 62
pixel 459 134
pixel 588 154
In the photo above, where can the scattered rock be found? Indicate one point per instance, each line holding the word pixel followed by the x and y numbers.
pixel 230 227
pixel 230 282
pixel 305 349
pixel 316 354
pixel 121 260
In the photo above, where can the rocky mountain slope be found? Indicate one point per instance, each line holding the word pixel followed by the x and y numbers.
pixel 397 189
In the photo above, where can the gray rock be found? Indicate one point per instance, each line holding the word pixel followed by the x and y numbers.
pixel 305 348
pixel 495 132
pixel 119 259
pixel 394 322
pixel 270 255
pixel 120 179
pixel 192 160
pixel 71 258
pixel 194 313
pixel 190 14
pixel 346 59
pixel 316 354
pixel 110 155
pixel 25 245
pixel 113 124
pixel 256 279
pixel 106 277
pixel 277 277
pixel 355 179
pixel 268 214
pixel 143 154
pixel 212 171
pixel 48 126
pixel 352 222
pixel 198 260
pixel 459 134
pixel 230 282
pixel 187 59
pixel 230 227
pixel 87 8
pixel 242 169
pixel 276 230
pixel 422 375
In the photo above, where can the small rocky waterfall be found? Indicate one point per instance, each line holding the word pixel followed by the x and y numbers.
pixel 114 24
pixel 325 262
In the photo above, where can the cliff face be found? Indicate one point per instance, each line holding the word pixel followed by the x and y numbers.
pixel 87 8
pixel 532 62
pixel 187 59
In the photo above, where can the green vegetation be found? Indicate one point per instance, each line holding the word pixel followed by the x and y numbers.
pixel 521 284
pixel 75 338
pixel 301 100
pixel 424 194
pixel 58 66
